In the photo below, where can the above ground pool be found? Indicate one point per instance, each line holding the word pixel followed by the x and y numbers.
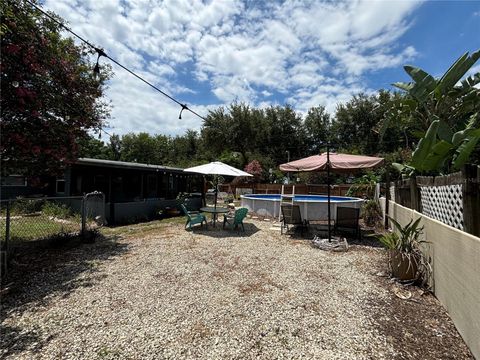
pixel 312 207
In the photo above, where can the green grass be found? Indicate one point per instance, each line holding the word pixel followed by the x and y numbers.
pixel 143 228
pixel 28 228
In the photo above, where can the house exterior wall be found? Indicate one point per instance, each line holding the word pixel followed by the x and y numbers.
pixel 132 191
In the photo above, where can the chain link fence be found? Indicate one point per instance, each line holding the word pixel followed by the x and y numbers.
pixel 27 222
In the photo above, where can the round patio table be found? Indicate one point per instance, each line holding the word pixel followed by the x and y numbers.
pixel 214 212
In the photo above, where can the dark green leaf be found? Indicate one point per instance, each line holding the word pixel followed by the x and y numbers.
pixel 457 71
pixel 444 131
pixel 425 145
pixel 464 151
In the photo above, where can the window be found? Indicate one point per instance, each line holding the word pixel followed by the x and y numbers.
pixel 100 183
pixel 60 186
pixel 78 185
pixel 14 180
pixel 151 188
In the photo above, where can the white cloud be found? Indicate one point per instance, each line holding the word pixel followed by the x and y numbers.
pixel 314 53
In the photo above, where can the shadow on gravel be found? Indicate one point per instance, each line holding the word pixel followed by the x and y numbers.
pixel 368 241
pixel 16 339
pixel 219 232
pixel 39 273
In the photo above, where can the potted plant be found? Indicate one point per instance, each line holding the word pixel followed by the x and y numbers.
pixel 404 251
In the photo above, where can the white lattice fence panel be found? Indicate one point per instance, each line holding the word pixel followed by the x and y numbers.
pixel 443 203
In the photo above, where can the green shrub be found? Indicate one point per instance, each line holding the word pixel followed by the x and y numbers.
pixel 371 212
pixel 27 206
pixel 405 239
pixel 56 210
pixel 364 186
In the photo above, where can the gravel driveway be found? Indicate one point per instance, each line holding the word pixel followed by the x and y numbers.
pixel 155 291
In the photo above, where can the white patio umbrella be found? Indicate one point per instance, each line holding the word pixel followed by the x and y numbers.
pixel 217 168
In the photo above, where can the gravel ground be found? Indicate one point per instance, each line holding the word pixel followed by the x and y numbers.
pixel 155 291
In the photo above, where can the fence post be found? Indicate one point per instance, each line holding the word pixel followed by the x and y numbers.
pixel 7 227
pixel 387 199
pixel 84 220
pixel 471 199
pixel 4 252
pixel 415 195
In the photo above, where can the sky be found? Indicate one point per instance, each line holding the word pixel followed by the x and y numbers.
pixel 302 53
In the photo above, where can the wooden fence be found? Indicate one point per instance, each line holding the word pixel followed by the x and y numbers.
pixel 453 199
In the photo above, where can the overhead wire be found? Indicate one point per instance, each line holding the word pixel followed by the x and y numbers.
pixel 101 52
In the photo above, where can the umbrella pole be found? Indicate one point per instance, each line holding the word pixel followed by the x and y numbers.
pixel 328 192
pixel 215 205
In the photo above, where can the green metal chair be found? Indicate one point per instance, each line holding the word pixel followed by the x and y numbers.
pixel 193 219
pixel 236 220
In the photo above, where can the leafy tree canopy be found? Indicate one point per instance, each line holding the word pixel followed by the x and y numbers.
pixel 50 98
pixel 448 110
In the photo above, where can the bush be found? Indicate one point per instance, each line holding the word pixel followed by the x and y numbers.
pixel 371 212
pixel 364 186
pixel 27 206
pixel 61 211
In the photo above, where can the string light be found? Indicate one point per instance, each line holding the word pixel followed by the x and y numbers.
pixel 101 52
pixel 96 69
pixel 184 107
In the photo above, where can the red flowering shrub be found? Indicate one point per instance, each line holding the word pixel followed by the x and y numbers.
pixel 255 169
pixel 50 98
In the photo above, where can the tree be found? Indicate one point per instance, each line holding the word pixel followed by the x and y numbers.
pixel 50 98
pixel 317 124
pixel 114 148
pixel 90 147
pixel 283 130
pixel 242 134
pixel 141 148
pixel 450 110
pixel 216 131
pixel 184 149
pixel 354 121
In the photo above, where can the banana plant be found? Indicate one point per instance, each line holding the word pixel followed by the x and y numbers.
pixel 434 101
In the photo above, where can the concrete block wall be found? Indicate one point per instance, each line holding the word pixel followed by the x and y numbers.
pixel 456 271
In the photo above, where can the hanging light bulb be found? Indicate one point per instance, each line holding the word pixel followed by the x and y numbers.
pixel 184 107
pixel 96 69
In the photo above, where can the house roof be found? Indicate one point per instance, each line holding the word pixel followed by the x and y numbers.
pixel 126 165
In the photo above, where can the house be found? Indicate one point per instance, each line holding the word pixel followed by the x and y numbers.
pixel 132 191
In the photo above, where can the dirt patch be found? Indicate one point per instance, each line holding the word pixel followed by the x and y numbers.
pixel 418 327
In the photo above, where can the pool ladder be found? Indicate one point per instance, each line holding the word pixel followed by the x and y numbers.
pixel 285 199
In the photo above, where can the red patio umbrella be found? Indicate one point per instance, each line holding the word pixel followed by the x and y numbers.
pixel 342 163
pixel 338 163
